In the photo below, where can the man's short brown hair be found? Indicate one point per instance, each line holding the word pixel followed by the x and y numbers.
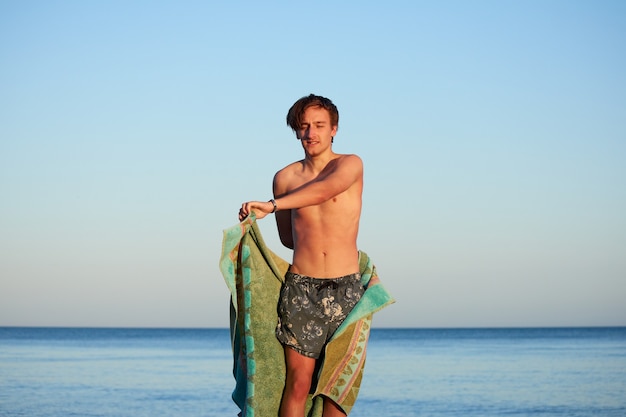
pixel 294 116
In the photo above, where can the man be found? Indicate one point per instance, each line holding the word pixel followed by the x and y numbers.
pixel 317 202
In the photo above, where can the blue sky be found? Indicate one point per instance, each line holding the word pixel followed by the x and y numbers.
pixel 493 135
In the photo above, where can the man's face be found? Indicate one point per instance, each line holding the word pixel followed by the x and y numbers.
pixel 316 131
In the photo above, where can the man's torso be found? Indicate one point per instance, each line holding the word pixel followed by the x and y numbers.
pixel 325 235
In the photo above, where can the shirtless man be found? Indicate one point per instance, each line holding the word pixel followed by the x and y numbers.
pixel 317 202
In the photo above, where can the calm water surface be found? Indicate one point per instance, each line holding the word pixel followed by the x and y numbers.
pixel 56 372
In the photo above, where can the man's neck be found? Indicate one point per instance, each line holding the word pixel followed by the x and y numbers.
pixel 318 162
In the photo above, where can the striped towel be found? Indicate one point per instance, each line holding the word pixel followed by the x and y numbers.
pixel 254 275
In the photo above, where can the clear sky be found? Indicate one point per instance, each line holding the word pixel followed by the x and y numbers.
pixel 493 135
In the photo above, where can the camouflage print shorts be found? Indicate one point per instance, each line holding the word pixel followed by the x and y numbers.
pixel 311 309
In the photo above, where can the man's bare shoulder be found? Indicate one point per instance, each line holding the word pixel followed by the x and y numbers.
pixel 289 170
pixel 285 176
pixel 350 162
pixel 351 158
pixel 297 165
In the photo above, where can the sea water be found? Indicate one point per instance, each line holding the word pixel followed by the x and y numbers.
pixel 568 372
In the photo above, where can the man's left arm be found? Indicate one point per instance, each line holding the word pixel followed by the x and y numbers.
pixel 336 178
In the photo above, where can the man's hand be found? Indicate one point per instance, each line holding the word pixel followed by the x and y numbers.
pixel 260 208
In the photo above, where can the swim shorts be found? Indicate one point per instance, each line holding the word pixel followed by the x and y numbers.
pixel 311 309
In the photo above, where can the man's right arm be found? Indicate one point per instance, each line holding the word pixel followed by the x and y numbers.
pixel 283 217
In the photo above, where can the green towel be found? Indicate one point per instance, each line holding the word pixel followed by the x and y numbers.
pixel 254 275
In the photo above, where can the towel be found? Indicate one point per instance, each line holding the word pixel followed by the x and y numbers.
pixel 254 275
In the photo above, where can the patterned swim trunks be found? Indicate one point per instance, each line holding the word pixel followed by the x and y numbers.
pixel 311 309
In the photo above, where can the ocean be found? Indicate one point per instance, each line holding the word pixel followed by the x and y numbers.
pixel 547 372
